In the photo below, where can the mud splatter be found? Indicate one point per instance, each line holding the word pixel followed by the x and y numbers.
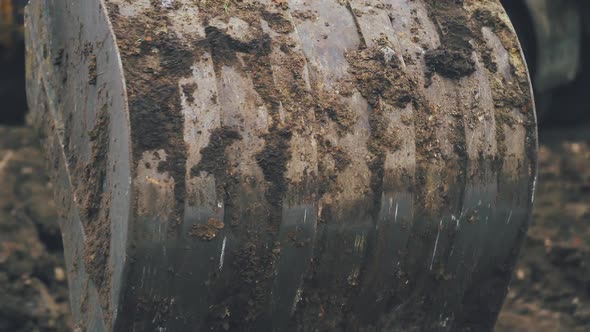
pixel 92 70
pixel 209 230
pixel 454 58
pixel 224 48
pixel 95 209
pixel 333 108
pixel 378 75
pixel 154 95
pixel 449 63
pixel 277 22
pixel 273 161
pixel 188 90
pixel 214 161
pixel 507 96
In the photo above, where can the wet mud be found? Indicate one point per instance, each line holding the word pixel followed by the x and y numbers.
pixel 454 58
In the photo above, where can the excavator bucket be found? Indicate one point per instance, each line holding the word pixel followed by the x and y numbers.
pixel 284 165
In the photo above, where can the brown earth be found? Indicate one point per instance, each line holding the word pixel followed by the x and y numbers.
pixel 551 285
pixel 33 287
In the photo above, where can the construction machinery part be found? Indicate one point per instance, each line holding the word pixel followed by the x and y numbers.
pixel 557 28
pixel 556 40
pixel 289 165
pixel 12 82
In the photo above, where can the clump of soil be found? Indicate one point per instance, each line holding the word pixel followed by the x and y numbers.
pixel 341 159
pixel 379 76
pixel 341 114
pixel 278 22
pixel 305 15
pixel 209 230
pixel 449 63
pixel 454 58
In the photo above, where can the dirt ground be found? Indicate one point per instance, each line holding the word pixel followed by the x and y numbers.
pixel 33 287
pixel 551 285
pixel 550 291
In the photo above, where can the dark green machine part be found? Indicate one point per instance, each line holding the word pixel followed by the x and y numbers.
pixel 12 81
pixel 284 165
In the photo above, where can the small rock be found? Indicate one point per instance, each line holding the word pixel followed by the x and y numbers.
pixel 60 274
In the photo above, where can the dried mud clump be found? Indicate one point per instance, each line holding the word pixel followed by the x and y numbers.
pixel 340 113
pixel 277 22
pixel 341 158
pixel 449 63
pixel 224 48
pixel 209 230
pixel 188 90
pixel 305 15
pixel 486 18
pixel 378 75
pixel 454 58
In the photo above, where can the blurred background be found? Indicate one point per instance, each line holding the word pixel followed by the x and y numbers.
pixel 551 284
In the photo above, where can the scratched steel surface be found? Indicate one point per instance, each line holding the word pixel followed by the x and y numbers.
pixel 149 248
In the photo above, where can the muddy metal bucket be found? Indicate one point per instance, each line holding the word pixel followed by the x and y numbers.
pixel 285 165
